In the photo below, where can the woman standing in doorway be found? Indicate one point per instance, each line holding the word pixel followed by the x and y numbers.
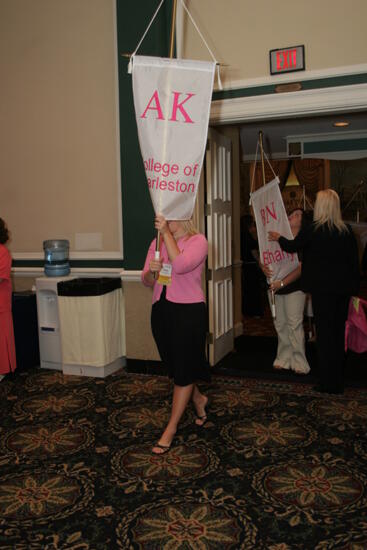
pixel 179 319
pixel 290 305
pixel 330 272
pixel 7 345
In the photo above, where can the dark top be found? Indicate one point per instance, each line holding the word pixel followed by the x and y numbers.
pixel 294 286
pixel 330 259
pixel 248 244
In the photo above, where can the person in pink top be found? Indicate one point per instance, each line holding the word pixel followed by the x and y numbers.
pixel 179 318
pixel 7 345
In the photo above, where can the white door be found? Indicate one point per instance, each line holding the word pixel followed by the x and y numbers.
pixel 218 211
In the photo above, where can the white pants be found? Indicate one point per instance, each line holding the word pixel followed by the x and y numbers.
pixel 289 326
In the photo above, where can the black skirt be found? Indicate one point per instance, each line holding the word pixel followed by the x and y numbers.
pixel 179 331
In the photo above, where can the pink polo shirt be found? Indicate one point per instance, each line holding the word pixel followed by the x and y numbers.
pixel 187 268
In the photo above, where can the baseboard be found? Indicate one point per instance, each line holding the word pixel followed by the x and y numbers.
pixel 51 365
pixel 238 329
pixel 95 372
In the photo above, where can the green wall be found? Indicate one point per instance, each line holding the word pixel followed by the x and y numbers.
pixel 133 17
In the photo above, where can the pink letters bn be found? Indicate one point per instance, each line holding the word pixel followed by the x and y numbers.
pixel 266 212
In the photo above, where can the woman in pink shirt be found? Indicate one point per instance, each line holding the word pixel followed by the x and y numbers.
pixel 7 345
pixel 179 319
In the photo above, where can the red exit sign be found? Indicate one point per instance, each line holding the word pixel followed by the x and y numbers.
pixel 287 60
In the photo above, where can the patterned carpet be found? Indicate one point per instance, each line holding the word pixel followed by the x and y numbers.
pixel 277 467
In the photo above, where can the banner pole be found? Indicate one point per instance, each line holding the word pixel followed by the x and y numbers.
pixel 262 156
pixel 171 51
pixel 173 27
pixel 272 297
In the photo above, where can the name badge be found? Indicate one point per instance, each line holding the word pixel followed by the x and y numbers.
pixel 165 275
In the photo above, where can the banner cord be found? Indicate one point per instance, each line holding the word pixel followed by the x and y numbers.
pixel 129 67
pixel 253 173
pixel 271 168
pixel 205 42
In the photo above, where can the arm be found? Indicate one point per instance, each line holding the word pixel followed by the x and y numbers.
pixel 268 272
pixel 292 245
pixel 162 226
pixel 151 266
pixel 292 276
pixel 194 253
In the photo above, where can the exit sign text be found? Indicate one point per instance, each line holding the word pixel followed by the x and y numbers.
pixel 287 60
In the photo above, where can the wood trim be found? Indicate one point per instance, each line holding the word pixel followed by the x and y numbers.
pixel 326 174
pixel 277 106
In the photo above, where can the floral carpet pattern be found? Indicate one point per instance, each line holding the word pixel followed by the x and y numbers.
pixel 276 467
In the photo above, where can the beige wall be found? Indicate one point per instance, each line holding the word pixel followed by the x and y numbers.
pixel 242 32
pixel 23 283
pixel 138 305
pixel 59 152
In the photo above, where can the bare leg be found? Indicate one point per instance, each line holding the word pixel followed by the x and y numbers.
pixel 181 397
pixel 200 402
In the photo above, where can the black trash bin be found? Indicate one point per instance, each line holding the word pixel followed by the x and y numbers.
pixel 88 286
pixel 24 307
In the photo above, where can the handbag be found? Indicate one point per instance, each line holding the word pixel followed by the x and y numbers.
pixel 356 326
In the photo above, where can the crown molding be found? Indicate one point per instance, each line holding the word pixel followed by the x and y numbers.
pixel 286 105
pixel 299 76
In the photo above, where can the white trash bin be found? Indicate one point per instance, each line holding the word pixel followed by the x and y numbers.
pixel 91 314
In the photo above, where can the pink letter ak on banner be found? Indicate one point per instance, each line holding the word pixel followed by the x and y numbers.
pixel 172 103
pixel 270 215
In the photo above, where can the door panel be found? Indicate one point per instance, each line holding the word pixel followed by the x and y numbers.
pixel 219 232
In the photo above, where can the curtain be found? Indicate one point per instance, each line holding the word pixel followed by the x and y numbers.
pixel 310 174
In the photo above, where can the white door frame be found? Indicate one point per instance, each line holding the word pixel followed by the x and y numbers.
pixel 320 101
pixel 218 182
pixel 285 105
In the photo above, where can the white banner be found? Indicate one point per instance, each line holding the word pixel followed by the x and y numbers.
pixel 270 215
pixel 172 100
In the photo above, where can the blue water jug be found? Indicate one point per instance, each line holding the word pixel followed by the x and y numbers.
pixel 56 257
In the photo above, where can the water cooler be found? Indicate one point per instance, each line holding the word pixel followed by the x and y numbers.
pixel 49 322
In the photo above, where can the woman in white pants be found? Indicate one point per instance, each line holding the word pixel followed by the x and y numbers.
pixel 289 305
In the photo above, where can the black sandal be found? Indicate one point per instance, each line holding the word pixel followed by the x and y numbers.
pixel 165 449
pixel 204 419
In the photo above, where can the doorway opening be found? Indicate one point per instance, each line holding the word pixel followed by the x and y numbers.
pixel 339 166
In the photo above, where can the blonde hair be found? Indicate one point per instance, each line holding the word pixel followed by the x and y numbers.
pixel 327 210
pixel 189 227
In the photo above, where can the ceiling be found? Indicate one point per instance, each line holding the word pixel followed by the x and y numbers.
pixel 275 132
